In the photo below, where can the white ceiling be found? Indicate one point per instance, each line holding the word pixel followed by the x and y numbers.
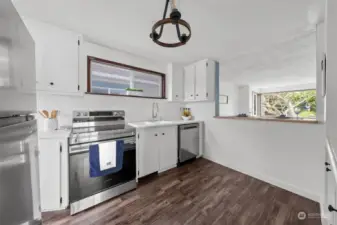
pixel 224 30
pixel 291 62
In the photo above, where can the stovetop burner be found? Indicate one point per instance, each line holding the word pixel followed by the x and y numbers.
pixel 99 125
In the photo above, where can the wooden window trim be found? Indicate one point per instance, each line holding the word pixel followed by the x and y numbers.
pixel 296 90
pixel 99 60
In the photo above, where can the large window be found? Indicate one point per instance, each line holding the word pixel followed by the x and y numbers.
pixel 292 104
pixel 111 78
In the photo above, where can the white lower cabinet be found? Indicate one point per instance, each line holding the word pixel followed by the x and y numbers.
pixel 148 151
pixel 157 149
pixel 168 153
pixel 330 197
pixel 53 166
pixel 330 206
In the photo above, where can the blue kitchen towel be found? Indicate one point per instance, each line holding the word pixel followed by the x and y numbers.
pixel 95 170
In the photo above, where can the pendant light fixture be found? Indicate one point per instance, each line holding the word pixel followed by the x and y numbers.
pixel 175 20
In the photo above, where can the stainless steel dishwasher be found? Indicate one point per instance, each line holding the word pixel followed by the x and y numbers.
pixel 188 142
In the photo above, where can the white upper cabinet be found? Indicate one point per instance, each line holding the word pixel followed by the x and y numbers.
pixel 199 81
pixel 175 83
pixel 211 80
pixel 57 58
pixel 189 82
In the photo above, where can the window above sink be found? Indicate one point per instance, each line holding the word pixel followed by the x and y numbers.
pixel 111 78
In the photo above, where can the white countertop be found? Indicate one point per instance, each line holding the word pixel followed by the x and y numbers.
pixel 54 134
pixel 146 124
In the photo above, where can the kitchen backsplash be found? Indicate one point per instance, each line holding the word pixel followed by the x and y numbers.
pixel 137 109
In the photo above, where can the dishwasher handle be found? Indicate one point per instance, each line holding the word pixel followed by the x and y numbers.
pixel 189 126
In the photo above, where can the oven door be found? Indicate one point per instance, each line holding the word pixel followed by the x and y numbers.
pixel 81 185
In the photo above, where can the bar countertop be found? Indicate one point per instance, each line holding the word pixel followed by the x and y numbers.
pixel 284 120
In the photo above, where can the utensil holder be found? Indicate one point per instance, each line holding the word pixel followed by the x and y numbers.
pixel 50 124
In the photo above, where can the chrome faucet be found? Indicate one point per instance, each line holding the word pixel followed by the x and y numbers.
pixel 155 111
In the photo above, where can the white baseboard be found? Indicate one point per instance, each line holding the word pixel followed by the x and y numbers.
pixel 270 180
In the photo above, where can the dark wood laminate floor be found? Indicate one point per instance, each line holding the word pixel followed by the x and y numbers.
pixel 200 193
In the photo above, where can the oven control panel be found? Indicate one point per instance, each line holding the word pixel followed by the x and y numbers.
pixel 97 114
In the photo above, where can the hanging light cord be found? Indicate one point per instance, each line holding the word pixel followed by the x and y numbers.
pixel 165 12
pixel 173 4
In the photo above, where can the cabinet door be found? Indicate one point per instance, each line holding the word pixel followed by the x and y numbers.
pixel 22 57
pixel 175 82
pixel 168 154
pixel 211 78
pixel 64 173
pixel 50 174
pixel 201 81
pixel 178 85
pixel 331 193
pixel 57 57
pixel 331 70
pixel 148 151
pixel 189 82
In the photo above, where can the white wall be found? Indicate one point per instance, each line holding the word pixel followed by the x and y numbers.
pixel 232 91
pixel 245 100
pixel 288 155
pixel 136 109
pixel 288 63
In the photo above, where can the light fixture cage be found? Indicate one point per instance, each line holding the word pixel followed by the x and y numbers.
pixel 174 19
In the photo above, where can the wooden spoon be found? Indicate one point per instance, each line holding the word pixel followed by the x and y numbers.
pixel 53 114
pixel 46 113
pixel 42 114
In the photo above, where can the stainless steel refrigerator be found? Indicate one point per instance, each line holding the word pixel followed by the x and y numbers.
pixel 19 184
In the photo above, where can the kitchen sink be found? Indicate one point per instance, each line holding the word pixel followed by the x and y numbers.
pixel 157 122
pixel 151 123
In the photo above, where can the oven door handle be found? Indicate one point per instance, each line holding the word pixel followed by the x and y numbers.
pixel 85 150
pixel 78 151
pixel 81 148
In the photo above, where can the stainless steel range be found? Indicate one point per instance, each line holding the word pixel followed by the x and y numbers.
pixel 96 127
